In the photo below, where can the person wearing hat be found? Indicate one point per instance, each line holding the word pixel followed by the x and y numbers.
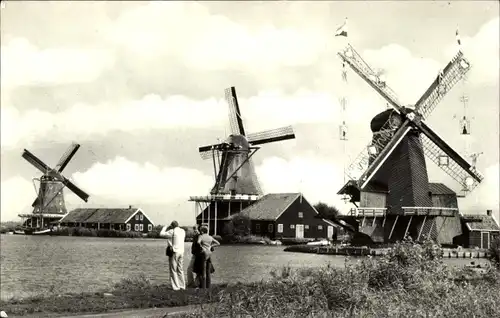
pixel 175 243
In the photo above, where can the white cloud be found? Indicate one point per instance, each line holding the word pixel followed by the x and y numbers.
pixel 22 63
pixel 188 31
pixel 267 110
pixel 318 179
pixel 482 50
pixel 17 194
pixel 121 180
pixel 486 195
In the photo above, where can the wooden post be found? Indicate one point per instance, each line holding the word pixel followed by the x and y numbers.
pixel 374 218
pixel 383 222
pixel 393 226
pixel 215 224
pixel 408 226
pixel 195 212
pixel 229 209
pixel 430 230
pixel 208 217
pixel 421 228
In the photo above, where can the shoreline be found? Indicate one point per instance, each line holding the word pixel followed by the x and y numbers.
pixel 381 251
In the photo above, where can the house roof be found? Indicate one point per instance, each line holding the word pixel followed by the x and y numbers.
pixel 481 222
pixel 101 215
pixel 270 206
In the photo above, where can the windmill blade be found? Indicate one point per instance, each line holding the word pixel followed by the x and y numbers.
pixel 66 157
pixel 76 190
pixel 37 163
pixel 206 152
pixel 235 119
pixel 278 134
pixel 351 57
pixel 452 73
pixel 387 149
pixel 457 167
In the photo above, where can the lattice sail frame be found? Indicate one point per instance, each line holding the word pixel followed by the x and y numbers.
pixel 452 74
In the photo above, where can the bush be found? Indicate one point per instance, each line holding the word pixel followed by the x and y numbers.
pixel 495 251
pixel 240 225
pixel 81 231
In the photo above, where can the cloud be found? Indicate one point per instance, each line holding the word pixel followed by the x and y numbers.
pixel 202 40
pixel 266 110
pixel 121 180
pixel 318 179
pixel 486 195
pixel 482 50
pixel 17 194
pixel 22 63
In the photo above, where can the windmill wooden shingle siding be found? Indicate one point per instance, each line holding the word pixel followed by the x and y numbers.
pixel 128 219
pixel 234 170
pixel 286 215
pixel 394 161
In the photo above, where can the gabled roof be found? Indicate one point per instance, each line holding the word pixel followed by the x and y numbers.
pixel 481 222
pixel 270 206
pixel 102 215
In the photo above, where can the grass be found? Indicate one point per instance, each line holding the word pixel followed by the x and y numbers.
pixel 410 281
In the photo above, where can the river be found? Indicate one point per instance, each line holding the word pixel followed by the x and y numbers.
pixel 32 265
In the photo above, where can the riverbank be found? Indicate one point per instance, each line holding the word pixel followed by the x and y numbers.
pixel 374 251
pixel 410 281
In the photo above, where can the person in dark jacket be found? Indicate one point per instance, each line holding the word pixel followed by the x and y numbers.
pixel 203 266
pixel 195 249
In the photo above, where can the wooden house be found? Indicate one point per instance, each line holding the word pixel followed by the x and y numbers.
pixel 479 230
pixel 124 219
pixel 286 215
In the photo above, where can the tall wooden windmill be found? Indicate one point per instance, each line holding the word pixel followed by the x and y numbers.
pixel 235 177
pixel 49 205
pixel 389 178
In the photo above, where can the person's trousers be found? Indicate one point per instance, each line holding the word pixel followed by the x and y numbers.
pixel 205 276
pixel 190 275
pixel 177 271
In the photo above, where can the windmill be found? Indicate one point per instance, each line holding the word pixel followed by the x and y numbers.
pixel 389 178
pixel 49 204
pixel 234 171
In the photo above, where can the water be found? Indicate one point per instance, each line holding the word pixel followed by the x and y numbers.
pixel 33 265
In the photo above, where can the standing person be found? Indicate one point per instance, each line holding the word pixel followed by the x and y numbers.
pixel 195 249
pixel 204 261
pixel 175 238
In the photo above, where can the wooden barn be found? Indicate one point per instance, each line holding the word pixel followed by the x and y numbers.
pixel 125 219
pixel 479 230
pixel 286 215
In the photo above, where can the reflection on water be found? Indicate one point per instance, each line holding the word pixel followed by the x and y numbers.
pixel 44 264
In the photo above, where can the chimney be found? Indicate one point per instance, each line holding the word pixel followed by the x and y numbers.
pixel 488 212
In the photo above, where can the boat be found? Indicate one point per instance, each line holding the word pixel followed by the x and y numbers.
pixel 32 231
pixel 319 243
pixel 19 232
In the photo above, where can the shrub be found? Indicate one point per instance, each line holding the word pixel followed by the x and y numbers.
pixel 240 225
pixel 494 251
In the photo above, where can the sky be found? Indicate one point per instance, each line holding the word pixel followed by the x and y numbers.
pixel 141 86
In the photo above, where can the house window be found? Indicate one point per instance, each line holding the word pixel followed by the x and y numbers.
pixel 306 227
pixel 141 227
pixel 270 228
pixel 128 226
pixel 320 227
pixel 280 228
pixel 301 215
pixel 136 227
pixel 257 227
pixel 142 217
pixel 292 226
pixel 137 217
pixel 150 227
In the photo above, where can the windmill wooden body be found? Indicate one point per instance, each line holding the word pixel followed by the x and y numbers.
pixel 236 184
pixel 49 205
pixel 389 181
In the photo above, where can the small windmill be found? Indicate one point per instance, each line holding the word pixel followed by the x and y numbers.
pixel 395 158
pixel 233 167
pixel 49 204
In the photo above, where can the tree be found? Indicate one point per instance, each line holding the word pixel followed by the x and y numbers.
pixel 240 225
pixel 325 211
